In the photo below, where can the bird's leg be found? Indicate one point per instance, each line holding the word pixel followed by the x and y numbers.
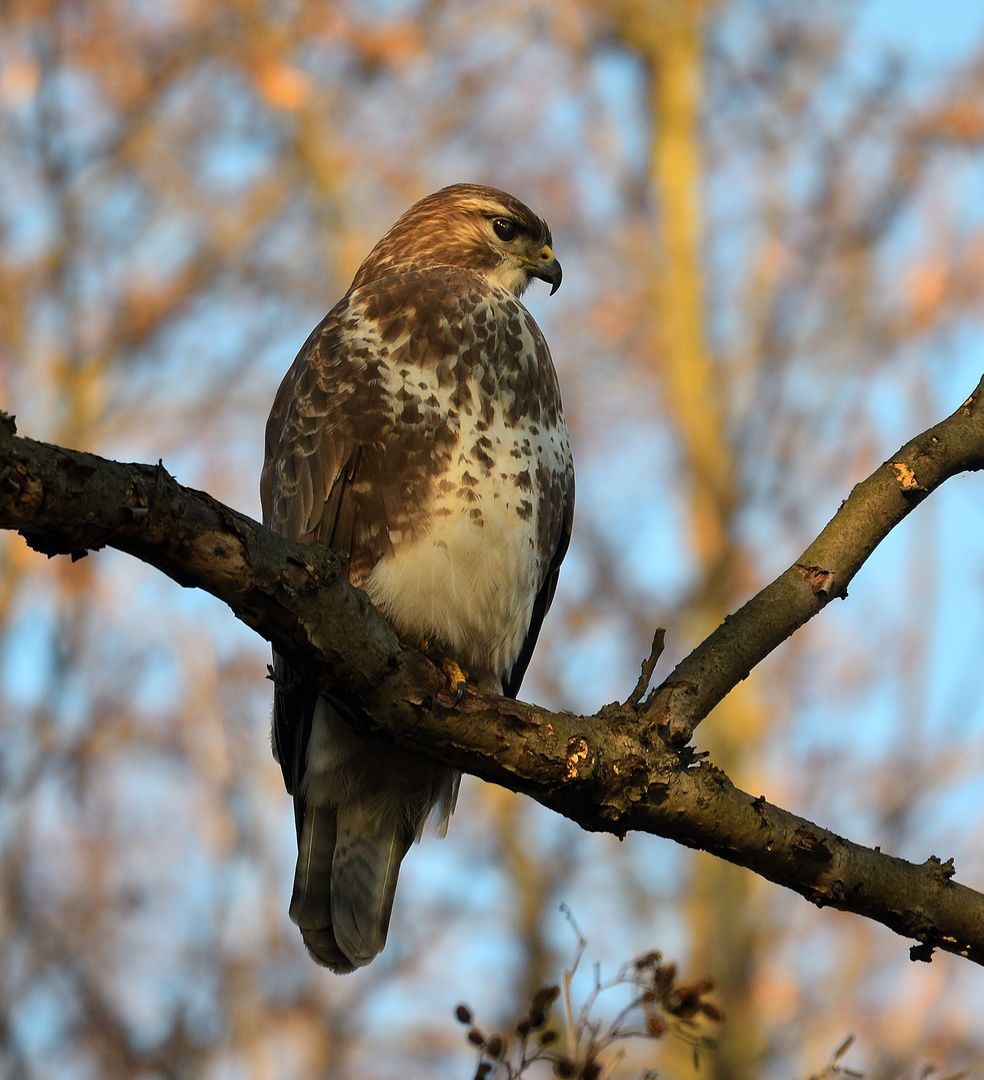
pixel 457 677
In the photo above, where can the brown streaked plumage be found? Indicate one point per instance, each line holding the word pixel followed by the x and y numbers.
pixel 419 430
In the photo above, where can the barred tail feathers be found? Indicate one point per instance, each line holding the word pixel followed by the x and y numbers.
pixel 344 884
pixel 360 807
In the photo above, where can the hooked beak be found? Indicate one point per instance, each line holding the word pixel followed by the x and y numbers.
pixel 548 269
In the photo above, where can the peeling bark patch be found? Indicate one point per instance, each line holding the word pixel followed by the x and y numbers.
pixel 806 842
pixel 906 478
pixel 662 699
pixel 577 754
pixel 820 581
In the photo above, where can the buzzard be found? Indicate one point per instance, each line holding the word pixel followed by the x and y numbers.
pixel 420 431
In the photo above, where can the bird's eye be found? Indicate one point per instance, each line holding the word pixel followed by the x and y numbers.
pixel 505 229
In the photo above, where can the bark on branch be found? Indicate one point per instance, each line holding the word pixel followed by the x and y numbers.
pixel 625 768
pixel 822 572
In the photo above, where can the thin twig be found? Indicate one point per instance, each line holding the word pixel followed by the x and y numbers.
pixel 648 667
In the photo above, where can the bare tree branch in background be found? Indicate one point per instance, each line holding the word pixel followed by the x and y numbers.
pixel 625 768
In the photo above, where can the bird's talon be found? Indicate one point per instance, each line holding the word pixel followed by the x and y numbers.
pixel 457 679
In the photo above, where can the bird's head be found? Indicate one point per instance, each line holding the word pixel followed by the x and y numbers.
pixel 474 228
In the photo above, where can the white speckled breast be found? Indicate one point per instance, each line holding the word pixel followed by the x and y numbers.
pixel 469 577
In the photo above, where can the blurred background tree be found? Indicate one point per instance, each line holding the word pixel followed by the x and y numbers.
pixel 771 220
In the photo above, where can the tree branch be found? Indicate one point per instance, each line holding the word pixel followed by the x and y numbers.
pixel 822 572
pixel 626 767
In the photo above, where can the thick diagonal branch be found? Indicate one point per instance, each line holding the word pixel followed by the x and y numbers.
pixel 608 772
pixel 822 572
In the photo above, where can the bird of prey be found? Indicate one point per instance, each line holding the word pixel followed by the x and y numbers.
pixel 419 431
